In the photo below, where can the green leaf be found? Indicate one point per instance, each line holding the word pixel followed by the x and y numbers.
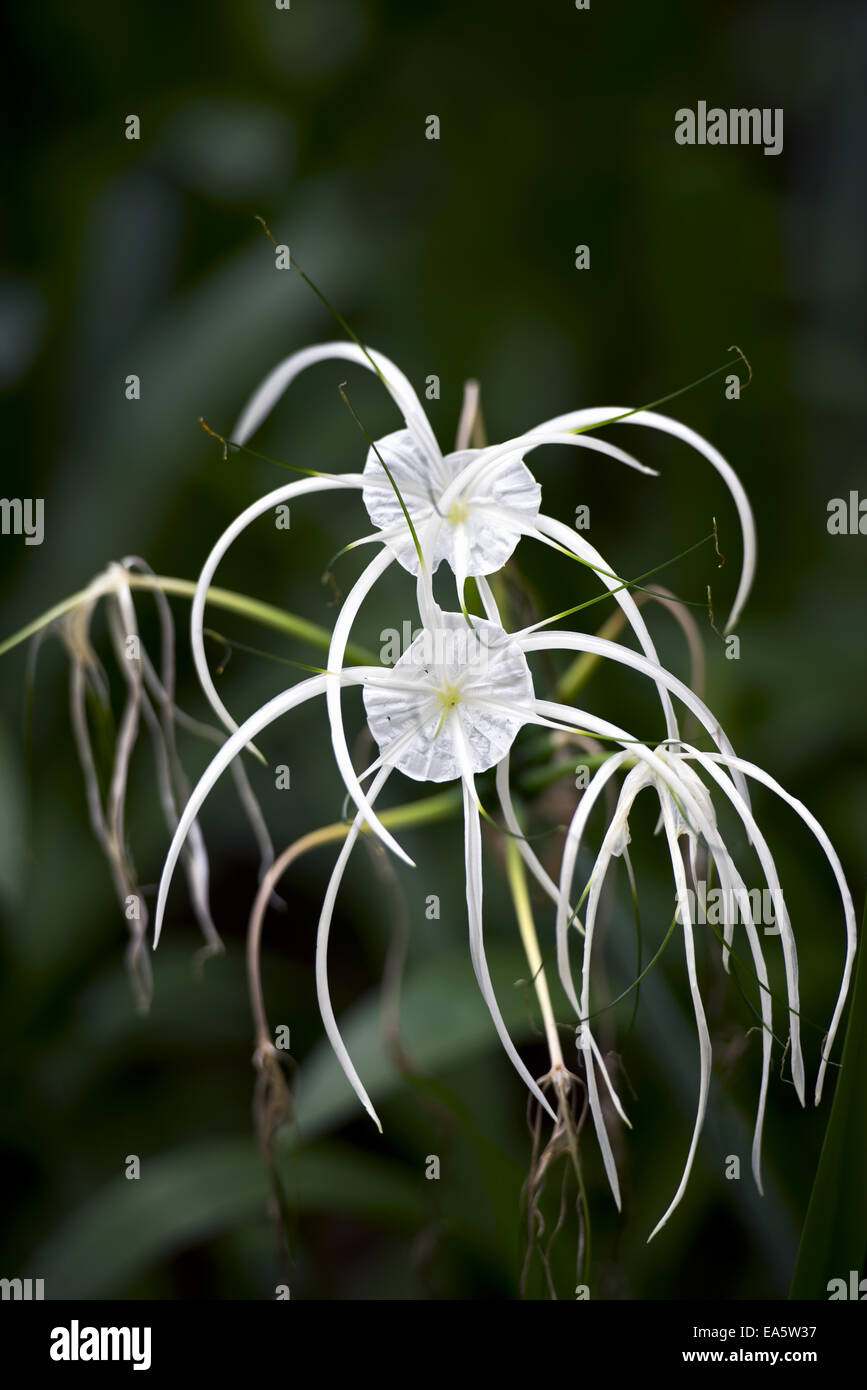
pixel 341 1180
pixel 192 1195
pixel 181 1199
pixel 834 1238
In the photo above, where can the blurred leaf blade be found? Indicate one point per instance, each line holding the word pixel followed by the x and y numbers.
pixel 182 1198
pixel 834 1238
pixel 192 1195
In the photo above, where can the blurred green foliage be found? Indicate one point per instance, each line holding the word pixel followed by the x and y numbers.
pixel 455 258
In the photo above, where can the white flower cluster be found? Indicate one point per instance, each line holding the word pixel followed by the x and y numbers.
pixel 452 706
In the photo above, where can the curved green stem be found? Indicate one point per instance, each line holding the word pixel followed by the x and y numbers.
pixel 257 611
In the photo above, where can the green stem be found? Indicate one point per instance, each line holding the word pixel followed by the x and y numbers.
pixel 265 613
pixel 517 878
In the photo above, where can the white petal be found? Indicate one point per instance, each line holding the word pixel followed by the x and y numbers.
pixel 280 704
pixel 577 419
pixel 530 858
pixel 339 638
pixel 581 547
pixel 265 397
pixel 787 938
pixel 472 669
pixel 767 1019
pixel 489 603
pixel 322 932
pixel 473 867
pixel 567 869
pixel 809 819
pixel 583 642
pixel 265 504
pixel 698 1008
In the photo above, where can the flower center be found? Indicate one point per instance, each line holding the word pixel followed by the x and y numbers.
pixel 453 703
pixel 450 698
pixel 483 525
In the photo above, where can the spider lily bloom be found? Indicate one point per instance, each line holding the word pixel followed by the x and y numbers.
pixel 449 709
pixel 483 499
pixel 482 527
pixel 436 717
pixel 687 810
pixel 440 717
pixel 469 507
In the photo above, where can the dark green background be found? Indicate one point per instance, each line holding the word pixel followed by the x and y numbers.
pixel 456 258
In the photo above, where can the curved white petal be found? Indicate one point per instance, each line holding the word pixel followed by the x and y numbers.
pixel 273 709
pixel 530 858
pixel 600 646
pixel 264 504
pixel 580 418
pixel 339 638
pixel 567 870
pixel 574 541
pixel 265 397
pixel 322 933
pixel 787 938
pixel 489 603
pixel 473 868
pixel 698 1008
pixel 734 883
pixel 759 775
pixel 280 704
pixel 498 482
pixel 497 456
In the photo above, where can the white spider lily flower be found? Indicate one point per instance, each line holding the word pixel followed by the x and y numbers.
pixel 437 706
pixel 687 809
pixel 451 709
pixel 469 507
pixel 437 717
pixel 476 534
pixel 482 523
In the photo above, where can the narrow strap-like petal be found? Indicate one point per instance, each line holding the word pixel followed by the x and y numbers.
pixel 581 547
pixel 600 646
pixel 265 504
pixel 266 395
pixel 339 639
pixel 567 870
pixel 580 418
pixel 279 705
pixel 526 851
pixel 473 867
pixel 787 938
pixel 698 1008
pixel 759 775
pixel 322 933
